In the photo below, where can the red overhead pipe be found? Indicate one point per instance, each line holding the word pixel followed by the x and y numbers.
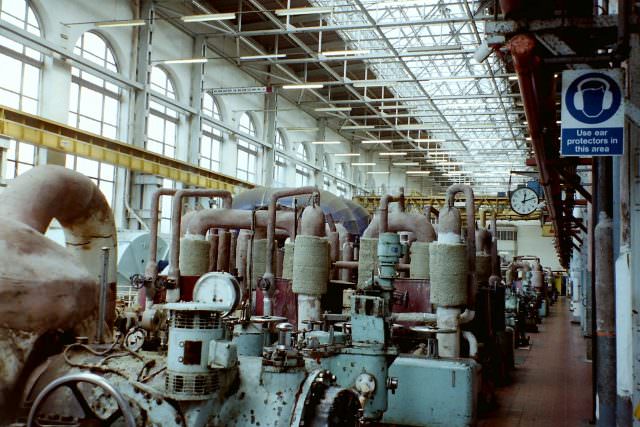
pixel 539 105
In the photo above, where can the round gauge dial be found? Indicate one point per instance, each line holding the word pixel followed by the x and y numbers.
pixel 219 289
pixel 524 201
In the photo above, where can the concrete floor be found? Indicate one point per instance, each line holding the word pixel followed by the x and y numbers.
pixel 552 380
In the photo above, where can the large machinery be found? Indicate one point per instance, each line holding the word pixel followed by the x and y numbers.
pixel 250 324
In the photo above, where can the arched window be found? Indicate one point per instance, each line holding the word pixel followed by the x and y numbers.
pixel 162 124
pixel 302 172
pixel 94 106
pixel 247 151
pixel 19 79
pixel 210 137
pixel 341 171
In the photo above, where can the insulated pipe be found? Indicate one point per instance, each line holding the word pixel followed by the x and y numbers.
pixel 471 231
pixel 415 317
pixel 176 217
pixel 418 224
pixel 59 287
pixel 271 231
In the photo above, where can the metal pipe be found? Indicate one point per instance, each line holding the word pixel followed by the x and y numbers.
pixel 471 232
pixel 605 300
pixel 151 270
pixel 416 223
pixel 31 202
pixel 473 343
pixel 415 317
pixel 271 231
pixel 384 211
pixel 102 305
pixel 176 216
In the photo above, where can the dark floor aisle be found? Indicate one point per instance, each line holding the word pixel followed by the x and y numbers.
pixel 552 380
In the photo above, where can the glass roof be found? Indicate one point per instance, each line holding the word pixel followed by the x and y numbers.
pixel 423 50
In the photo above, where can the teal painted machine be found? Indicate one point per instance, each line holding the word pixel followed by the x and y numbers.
pixel 433 392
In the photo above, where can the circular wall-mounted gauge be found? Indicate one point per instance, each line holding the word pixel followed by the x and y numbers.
pixel 219 290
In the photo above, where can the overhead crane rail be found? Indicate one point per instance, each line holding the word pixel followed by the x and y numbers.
pixel 57 136
pixel 415 202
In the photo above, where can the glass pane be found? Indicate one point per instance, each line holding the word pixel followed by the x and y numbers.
pixel 73 97
pixel 169 151
pixel 110 131
pixel 10 44
pixel 9 99
pixel 93 79
pixel 154 146
pixel 26 153
pixel 111 110
pixel 69 161
pixel 89 125
pixel 170 133
pixel 15 8
pixel 107 171
pixel 90 103
pixel 30 105
pixel 11 170
pixel 87 167
pixel 11 152
pixel 10 77
pixel 22 168
pixel 155 127
pixel 205 146
pixel 107 190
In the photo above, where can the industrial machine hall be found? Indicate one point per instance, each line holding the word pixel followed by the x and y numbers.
pixel 319 213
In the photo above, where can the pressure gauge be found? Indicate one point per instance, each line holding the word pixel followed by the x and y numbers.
pixel 218 289
pixel 524 201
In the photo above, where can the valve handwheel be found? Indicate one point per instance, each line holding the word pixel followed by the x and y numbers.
pixel 72 382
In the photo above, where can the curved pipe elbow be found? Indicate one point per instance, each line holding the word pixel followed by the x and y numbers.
pixel 473 343
pixel 467 316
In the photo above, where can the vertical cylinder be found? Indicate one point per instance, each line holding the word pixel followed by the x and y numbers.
pixel 448 343
pixel 213 251
pixel 334 250
pixel 347 255
pixel 232 251
pixel 224 243
pixel 605 322
pixel 309 308
pixel 102 307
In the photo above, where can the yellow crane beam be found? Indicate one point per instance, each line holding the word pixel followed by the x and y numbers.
pixel 417 203
pixel 57 136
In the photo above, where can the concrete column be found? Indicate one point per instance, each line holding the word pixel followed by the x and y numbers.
pixel 318 175
pixel 197 86
pixel 141 186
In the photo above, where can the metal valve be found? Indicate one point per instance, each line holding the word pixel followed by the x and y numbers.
pixel 392 384
pixel 284 335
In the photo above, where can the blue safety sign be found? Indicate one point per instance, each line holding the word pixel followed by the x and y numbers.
pixel 592 113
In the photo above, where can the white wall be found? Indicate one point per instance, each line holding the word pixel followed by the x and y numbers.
pixel 531 242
